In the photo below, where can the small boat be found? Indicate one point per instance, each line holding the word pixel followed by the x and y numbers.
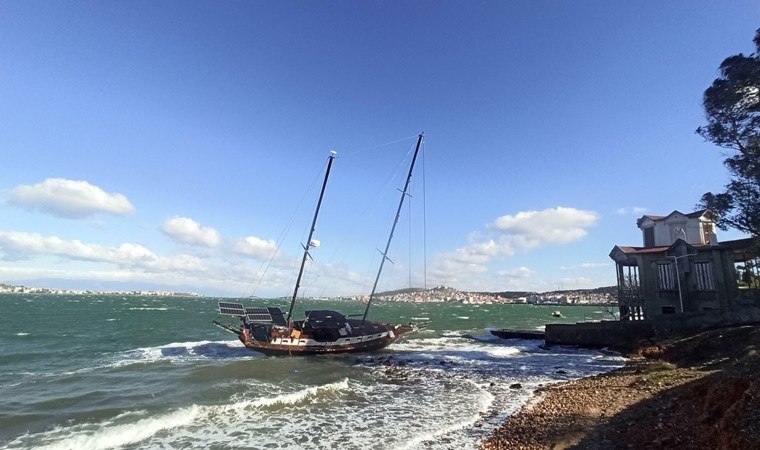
pixel 270 331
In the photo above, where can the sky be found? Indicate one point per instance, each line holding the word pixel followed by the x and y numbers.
pixel 161 145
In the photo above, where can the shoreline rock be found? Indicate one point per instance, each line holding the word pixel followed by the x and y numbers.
pixel 692 393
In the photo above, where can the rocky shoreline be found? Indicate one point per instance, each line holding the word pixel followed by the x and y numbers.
pixel 697 392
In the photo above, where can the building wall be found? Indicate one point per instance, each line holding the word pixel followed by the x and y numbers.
pixel 627 335
pixel 694 300
pixel 677 226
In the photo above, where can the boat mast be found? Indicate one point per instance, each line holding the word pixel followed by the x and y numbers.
pixel 311 233
pixel 393 228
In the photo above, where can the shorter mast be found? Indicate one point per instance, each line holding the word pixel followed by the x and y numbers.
pixel 404 193
pixel 311 233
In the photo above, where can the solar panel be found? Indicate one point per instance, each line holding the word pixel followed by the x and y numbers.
pixel 277 317
pixel 258 314
pixel 231 309
pixel 265 318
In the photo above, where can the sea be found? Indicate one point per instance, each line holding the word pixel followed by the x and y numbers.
pixel 146 372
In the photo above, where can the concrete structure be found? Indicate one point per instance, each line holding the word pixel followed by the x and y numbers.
pixel 681 281
pixel 628 334
pixel 682 268
pixel 696 228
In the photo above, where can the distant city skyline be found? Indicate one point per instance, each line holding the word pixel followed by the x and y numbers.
pixel 172 146
pixel 435 294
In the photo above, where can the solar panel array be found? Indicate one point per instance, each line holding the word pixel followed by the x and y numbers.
pixel 258 315
pixel 231 309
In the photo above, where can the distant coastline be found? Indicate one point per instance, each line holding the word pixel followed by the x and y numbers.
pixel 8 289
pixel 598 297
pixel 604 296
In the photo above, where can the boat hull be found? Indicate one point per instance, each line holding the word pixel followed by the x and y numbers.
pixel 305 343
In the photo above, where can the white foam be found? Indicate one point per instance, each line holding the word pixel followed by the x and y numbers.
pixel 289 399
pixel 503 351
pixel 22 334
pixel 98 436
pixel 181 352
pixel 208 419
pixel 483 402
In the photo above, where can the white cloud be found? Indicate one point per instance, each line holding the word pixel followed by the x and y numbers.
pixel 507 235
pixel 474 266
pixel 254 246
pixel 188 231
pixel 536 228
pixel 631 210
pixel 575 283
pixel 20 245
pixel 587 266
pixel 520 272
pixel 69 199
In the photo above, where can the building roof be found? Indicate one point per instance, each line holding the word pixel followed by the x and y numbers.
pixel 691 215
pixel 741 248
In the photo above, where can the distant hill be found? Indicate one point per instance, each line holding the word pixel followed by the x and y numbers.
pixel 400 291
pixel 611 290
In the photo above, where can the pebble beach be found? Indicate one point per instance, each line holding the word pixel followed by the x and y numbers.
pixel 690 393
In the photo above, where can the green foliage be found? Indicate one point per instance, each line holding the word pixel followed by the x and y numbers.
pixel 732 109
pixel 661 372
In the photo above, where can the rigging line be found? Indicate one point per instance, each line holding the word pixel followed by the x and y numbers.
pixel 308 284
pixel 281 238
pixel 424 225
pixel 404 192
pixel 396 172
pixel 424 220
pixel 362 150
pixel 409 207
pixel 383 190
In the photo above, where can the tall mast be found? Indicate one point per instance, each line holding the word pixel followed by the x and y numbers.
pixel 311 233
pixel 404 193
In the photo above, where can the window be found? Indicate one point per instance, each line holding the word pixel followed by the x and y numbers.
pixel 707 230
pixel 668 309
pixel 704 276
pixel 665 280
pixel 649 237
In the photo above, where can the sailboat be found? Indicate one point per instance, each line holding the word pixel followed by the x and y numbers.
pixel 270 331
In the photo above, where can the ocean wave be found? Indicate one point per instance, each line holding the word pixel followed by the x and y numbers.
pixel 484 401
pixel 133 427
pixel 185 351
pixel 96 436
pixel 290 398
